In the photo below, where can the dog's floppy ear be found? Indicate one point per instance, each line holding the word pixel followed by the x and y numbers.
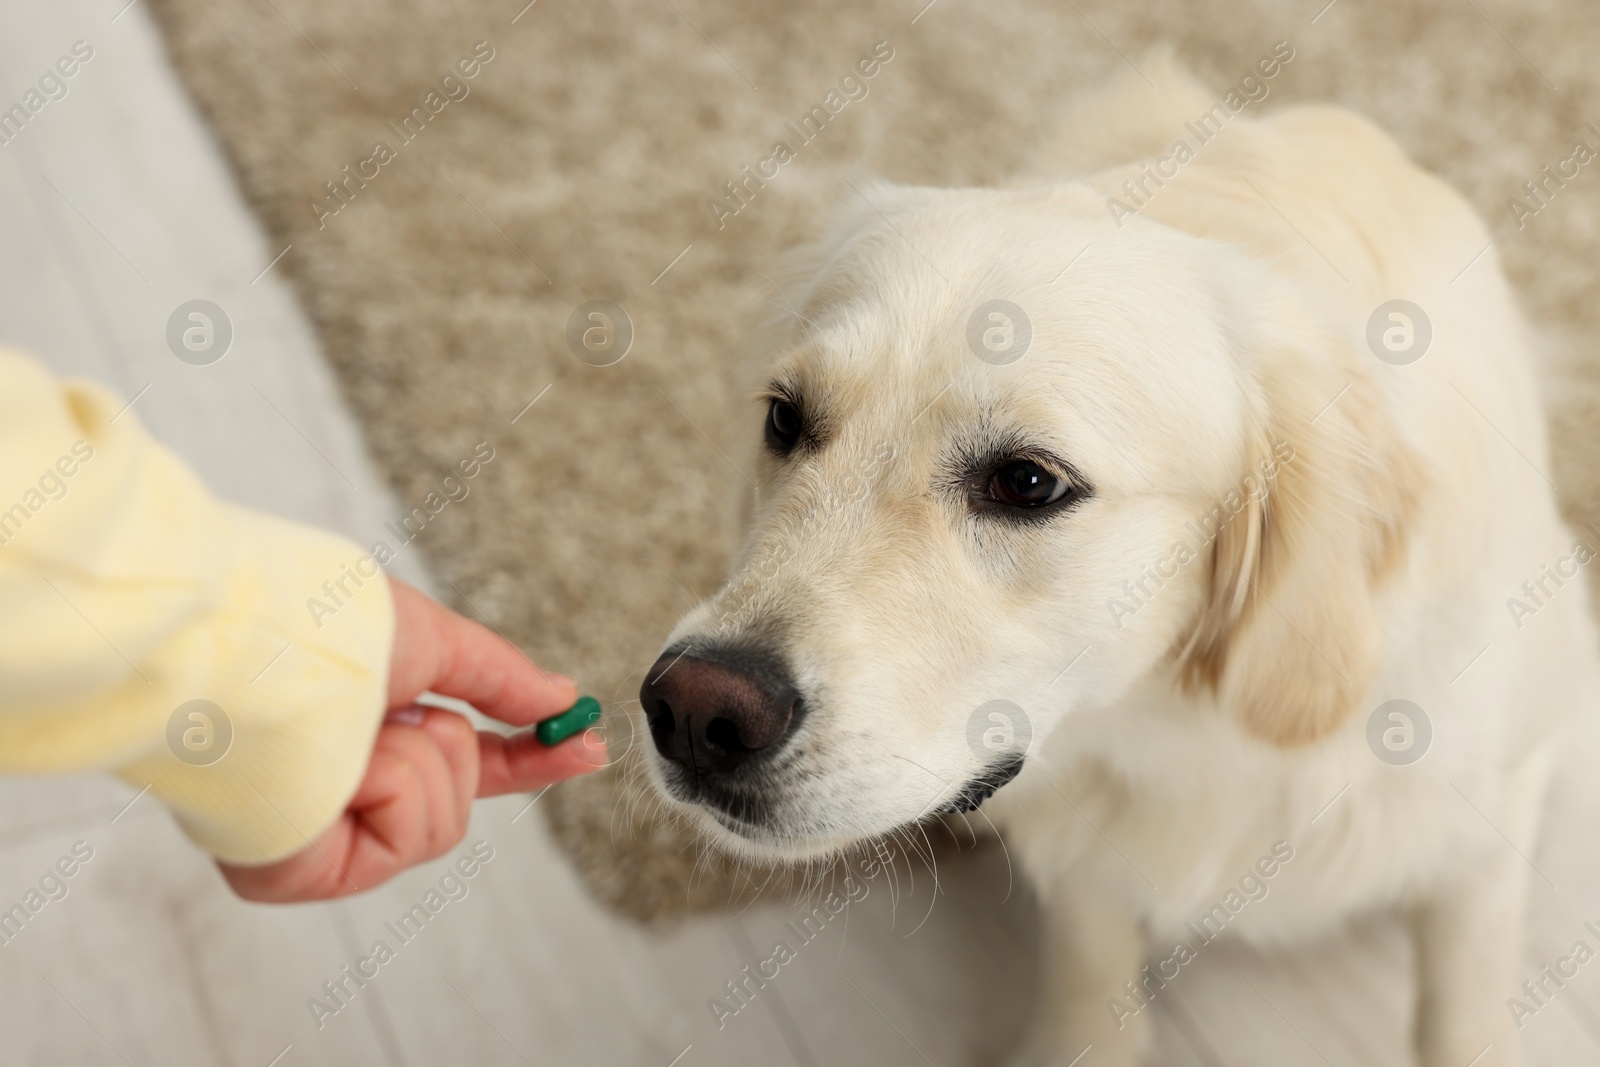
pixel 1288 636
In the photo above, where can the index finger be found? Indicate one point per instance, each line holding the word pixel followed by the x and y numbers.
pixel 490 673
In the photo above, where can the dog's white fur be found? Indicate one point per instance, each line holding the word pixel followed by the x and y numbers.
pixel 1229 712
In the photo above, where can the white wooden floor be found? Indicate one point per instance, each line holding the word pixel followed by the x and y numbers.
pixel 115 208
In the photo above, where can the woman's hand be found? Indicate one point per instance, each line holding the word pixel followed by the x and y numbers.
pixel 428 765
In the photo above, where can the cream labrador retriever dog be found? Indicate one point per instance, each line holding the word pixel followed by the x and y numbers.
pixel 1186 505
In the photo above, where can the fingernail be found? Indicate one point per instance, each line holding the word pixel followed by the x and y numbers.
pixel 593 744
pixel 408 716
pixel 559 679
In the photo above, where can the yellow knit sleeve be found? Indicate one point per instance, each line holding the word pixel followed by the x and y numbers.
pixel 151 629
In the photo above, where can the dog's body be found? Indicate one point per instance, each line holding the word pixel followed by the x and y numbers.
pixel 1266 532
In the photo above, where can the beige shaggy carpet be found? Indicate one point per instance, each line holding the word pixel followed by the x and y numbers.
pixel 573 155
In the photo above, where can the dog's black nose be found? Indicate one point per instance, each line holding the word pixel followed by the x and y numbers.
pixel 711 710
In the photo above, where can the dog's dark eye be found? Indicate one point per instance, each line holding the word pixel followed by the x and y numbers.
pixel 784 426
pixel 1023 483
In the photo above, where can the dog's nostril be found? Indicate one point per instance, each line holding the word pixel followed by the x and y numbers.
pixel 724 734
pixel 662 722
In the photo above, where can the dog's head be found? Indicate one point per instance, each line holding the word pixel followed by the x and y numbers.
pixel 1011 455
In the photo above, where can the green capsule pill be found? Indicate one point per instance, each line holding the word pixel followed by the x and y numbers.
pixel 556 729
